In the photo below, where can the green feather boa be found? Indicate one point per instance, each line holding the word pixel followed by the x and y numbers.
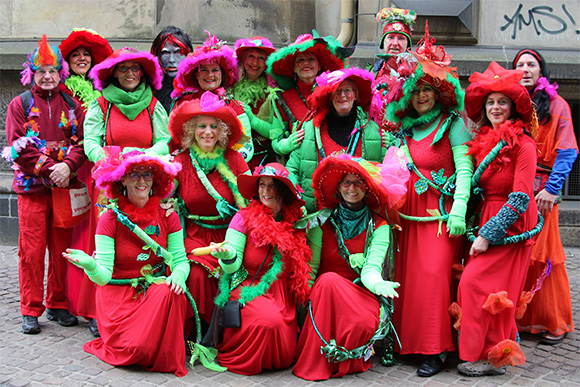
pixel 251 92
pixel 82 89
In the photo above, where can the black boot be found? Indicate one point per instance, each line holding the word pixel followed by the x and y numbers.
pixel 431 366
pixel 30 325
pixel 94 328
pixel 63 316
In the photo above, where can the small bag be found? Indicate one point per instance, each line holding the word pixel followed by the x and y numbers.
pixel 70 205
pixel 231 315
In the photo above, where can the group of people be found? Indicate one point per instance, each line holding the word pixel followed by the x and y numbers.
pixel 261 208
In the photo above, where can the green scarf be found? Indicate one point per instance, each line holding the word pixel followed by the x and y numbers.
pixel 412 120
pixel 82 88
pixel 129 103
pixel 351 222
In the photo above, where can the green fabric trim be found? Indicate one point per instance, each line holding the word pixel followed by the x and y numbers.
pixel 131 104
pixel 351 222
pixel 248 293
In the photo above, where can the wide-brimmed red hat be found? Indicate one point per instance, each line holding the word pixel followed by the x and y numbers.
pixel 398 21
pixel 328 82
pixel 497 79
pixel 96 44
pixel 213 50
pixel 328 50
pixel 211 105
pixel 109 171
pixel 386 182
pixel 248 184
pixel 102 74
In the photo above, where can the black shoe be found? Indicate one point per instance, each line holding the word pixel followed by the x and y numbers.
pixel 431 366
pixel 63 316
pixel 94 328
pixel 30 325
pixel 551 339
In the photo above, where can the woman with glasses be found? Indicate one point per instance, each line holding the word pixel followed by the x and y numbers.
pixel 141 308
pixel 341 124
pixel 427 103
pixel 126 115
pixel 350 306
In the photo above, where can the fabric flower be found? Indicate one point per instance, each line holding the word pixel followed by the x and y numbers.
pixel 523 302
pixel 497 302
pixel 455 312
pixel 506 352
pixel 457 270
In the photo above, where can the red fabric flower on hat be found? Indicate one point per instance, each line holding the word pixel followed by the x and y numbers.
pixel 455 312
pixel 497 302
pixel 506 352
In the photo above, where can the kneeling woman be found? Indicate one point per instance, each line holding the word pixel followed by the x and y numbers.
pixel 135 238
pixel 347 296
pixel 266 261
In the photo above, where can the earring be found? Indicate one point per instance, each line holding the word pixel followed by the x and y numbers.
pixel 151 192
pixel 124 191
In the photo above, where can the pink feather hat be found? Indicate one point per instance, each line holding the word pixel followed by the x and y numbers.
pixel 257 42
pixel 328 82
pixel 102 74
pixel 212 51
pixel 109 171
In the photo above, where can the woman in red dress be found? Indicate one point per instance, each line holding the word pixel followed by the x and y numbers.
pixel 136 241
pixel 205 133
pixel 270 257
pixel 349 307
pixel 494 276
pixel 550 311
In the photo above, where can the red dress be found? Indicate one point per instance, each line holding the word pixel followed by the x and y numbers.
pixel 551 308
pixel 201 282
pixel 142 328
pixel 341 310
pixel 269 332
pixel 425 257
pixel 500 268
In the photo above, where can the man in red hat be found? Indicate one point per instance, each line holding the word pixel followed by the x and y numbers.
pixel 396 39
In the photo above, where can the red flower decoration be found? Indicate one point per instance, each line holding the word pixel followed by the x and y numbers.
pixel 506 352
pixel 455 312
pixel 457 270
pixel 497 302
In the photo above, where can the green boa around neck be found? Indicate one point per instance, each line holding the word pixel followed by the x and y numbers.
pixel 411 121
pixel 251 92
pixel 82 89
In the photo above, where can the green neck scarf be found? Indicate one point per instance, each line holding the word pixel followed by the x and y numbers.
pixel 351 222
pixel 129 103
pixel 412 121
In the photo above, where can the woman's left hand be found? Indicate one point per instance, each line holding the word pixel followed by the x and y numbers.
pixel 479 246
pixel 175 284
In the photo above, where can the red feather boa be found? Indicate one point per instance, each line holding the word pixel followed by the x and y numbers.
pixel 141 216
pixel 290 242
pixel 487 137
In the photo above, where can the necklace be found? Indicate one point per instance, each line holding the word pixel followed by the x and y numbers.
pixel 301 96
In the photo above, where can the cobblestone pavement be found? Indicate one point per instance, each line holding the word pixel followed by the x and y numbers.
pixel 55 356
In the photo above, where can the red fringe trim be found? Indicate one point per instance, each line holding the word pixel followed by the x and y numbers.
pixel 290 242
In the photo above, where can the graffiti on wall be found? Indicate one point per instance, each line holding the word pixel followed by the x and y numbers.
pixel 542 19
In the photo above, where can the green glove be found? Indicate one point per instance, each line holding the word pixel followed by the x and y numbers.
pixel 286 145
pixel 314 240
pixel 262 127
pixel 464 169
pixel 100 269
pixel 179 264
pixel 386 288
pixel 232 259
pixel 372 272
pixel 81 259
